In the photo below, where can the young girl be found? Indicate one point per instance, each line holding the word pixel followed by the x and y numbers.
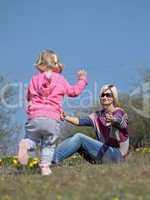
pixel 44 96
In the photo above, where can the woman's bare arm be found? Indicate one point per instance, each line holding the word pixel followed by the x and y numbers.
pixel 72 120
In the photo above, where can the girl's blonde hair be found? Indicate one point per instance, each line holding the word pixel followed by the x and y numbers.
pixel 48 59
pixel 114 91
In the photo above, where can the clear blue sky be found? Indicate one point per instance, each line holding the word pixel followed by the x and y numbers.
pixel 110 38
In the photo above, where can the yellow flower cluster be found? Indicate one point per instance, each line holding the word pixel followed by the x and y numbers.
pixel 13 161
pixel 33 163
pixel 116 198
pixel 143 150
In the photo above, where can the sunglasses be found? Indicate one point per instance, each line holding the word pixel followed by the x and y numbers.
pixel 107 95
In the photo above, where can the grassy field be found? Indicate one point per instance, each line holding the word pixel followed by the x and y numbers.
pixel 78 180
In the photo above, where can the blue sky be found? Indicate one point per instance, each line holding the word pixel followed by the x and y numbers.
pixel 109 38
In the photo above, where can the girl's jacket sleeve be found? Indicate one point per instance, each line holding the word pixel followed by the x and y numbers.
pixel 75 90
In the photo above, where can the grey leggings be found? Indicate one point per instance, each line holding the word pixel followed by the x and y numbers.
pixel 44 132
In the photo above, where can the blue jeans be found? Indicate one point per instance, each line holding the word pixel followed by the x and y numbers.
pixel 88 146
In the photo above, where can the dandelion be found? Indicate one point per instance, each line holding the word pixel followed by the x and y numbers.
pixel 36 159
pixel 15 162
pixel 143 150
pixel 1 161
pixel 31 165
pixel 35 162
pixel 59 197
pixel 115 198
pixel 137 150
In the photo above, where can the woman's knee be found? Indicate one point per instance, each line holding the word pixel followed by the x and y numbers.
pixel 78 136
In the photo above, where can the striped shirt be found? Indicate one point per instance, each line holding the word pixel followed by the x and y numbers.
pixel 114 134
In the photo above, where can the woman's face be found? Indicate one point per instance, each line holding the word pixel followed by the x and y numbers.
pixel 106 98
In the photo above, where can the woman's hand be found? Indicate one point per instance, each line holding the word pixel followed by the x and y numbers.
pixel 109 117
pixel 72 120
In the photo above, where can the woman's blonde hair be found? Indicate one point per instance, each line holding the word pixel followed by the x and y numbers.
pixel 47 60
pixel 114 92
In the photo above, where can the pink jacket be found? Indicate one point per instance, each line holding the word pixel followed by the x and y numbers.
pixel 45 94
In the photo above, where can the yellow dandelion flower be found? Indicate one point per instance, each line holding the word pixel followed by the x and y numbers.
pixel 36 159
pixel 115 198
pixel 15 161
pixel 59 197
pixel 35 162
pixel 74 156
pixel 31 165
pixel 137 150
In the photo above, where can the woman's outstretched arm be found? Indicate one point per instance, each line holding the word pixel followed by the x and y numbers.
pixel 72 120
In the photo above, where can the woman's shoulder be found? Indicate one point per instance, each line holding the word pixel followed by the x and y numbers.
pixel 119 110
pixel 98 113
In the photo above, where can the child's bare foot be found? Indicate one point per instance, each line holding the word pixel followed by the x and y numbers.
pixel 23 152
pixel 45 170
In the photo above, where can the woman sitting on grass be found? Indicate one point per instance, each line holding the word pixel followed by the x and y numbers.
pixel 110 124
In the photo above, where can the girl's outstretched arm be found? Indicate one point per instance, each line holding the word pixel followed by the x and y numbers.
pixel 75 90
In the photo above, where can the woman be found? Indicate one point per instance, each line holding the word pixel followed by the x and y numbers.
pixel 110 124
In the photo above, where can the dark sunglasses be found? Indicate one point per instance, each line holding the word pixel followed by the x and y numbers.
pixel 107 94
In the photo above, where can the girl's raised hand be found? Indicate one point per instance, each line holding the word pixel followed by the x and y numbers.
pixel 82 74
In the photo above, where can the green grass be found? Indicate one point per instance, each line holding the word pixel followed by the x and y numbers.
pixel 78 180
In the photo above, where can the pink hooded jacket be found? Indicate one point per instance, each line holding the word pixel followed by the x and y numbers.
pixel 45 94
